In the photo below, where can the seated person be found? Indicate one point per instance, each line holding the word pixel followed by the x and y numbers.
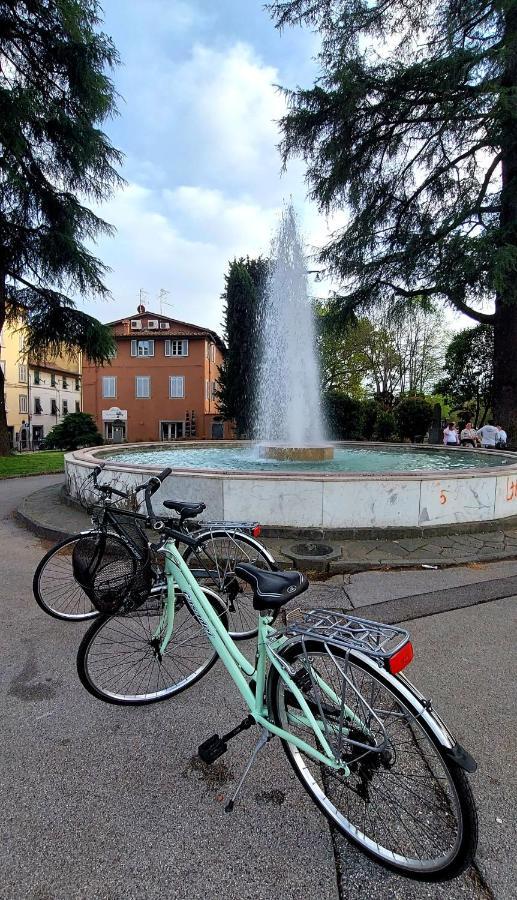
pixel 450 435
pixel 501 438
pixel 469 435
pixel 488 435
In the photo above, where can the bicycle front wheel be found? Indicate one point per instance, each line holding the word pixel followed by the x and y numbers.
pixel 213 563
pixel 404 803
pixel 119 658
pixel 55 589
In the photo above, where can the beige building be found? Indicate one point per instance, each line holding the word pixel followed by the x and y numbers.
pixel 38 393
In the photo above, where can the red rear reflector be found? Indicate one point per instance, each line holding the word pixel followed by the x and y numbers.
pixel 256 531
pixel 401 658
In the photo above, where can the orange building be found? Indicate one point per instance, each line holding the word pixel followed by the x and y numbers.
pixel 161 383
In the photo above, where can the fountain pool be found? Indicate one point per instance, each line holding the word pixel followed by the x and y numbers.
pixel 365 486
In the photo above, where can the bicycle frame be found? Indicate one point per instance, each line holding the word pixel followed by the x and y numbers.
pixel 238 666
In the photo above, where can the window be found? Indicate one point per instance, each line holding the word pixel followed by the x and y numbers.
pixel 53 407
pixel 142 348
pixel 65 382
pixel 176 348
pixel 207 389
pixel 142 386
pixel 22 403
pixel 77 384
pixel 176 386
pixel 22 374
pixel 113 353
pixel 37 376
pixel 52 379
pixel 38 409
pixel 21 342
pixel 65 407
pixel 165 325
pixel 77 406
pixel 109 386
pixel 136 325
pixel 213 389
pixel 212 353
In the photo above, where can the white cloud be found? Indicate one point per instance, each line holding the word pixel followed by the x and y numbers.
pixel 204 177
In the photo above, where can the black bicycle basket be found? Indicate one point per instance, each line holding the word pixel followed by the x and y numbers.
pixel 111 572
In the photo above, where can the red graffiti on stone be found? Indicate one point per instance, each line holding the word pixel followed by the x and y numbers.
pixel 511 489
pixel 443 497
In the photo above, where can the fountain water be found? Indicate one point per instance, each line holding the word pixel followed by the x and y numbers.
pixel 289 423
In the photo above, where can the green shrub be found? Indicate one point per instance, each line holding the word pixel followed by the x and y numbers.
pixel 385 425
pixel 344 416
pixel 76 430
pixel 371 409
pixel 413 416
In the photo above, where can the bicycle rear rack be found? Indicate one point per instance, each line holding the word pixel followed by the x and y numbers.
pixel 372 638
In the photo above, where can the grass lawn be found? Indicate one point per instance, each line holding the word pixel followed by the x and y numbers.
pixel 43 462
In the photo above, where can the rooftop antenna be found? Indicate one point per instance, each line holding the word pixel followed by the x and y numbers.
pixel 161 298
pixel 142 295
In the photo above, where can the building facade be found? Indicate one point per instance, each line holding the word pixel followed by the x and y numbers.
pixel 38 393
pixel 161 383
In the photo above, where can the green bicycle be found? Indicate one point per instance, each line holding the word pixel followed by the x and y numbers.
pixel 365 744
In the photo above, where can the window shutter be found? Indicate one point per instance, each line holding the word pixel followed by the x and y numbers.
pixel 133 348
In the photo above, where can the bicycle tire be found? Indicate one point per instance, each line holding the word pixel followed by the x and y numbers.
pixel 218 551
pixel 401 816
pixel 54 587
pixel 135 655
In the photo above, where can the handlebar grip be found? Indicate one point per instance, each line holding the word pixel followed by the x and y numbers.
pixel 164 474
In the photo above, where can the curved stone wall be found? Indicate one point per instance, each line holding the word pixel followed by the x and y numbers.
pixel 326 501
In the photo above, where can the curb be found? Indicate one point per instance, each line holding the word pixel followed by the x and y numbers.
pixel 47 532
pixel 349 566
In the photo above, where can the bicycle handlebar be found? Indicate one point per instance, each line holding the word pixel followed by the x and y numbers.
pixel 152 484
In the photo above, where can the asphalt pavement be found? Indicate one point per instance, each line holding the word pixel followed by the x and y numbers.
pixel 112 802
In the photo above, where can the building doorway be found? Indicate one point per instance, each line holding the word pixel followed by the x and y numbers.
pixel 171 431
pixel 37 436
pixel 115 432
pixel 217 431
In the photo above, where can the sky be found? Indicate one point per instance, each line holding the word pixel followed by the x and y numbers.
pixel 198 114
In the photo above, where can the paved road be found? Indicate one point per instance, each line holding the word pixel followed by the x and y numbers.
pixel 105 802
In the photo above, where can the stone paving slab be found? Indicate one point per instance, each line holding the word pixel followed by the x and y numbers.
pixel 47 514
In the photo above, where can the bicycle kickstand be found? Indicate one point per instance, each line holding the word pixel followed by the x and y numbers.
pixel 265 736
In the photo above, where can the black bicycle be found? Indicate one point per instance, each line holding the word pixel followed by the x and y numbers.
pixel 219 547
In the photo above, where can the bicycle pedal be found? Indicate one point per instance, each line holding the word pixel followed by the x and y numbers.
pixel 212 749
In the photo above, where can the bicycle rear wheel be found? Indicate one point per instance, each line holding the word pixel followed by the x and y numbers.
pixel 404 802
pixel 213 563
pixel 119 659
pixel 55 589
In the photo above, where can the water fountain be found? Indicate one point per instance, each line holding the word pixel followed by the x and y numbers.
pixel 289 476
pixel 289 423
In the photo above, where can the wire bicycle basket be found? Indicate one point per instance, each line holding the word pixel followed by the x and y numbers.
pixel 111 572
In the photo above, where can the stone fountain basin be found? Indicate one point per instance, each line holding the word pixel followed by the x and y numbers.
pixel 336 501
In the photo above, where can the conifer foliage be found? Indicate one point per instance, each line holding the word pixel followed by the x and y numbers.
pixel 55 93
pixel 244 287
pixel 412 125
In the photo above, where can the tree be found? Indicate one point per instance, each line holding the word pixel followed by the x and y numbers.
pixel 76 430
pixel 469 373
pixel 413 415
pixel 342 364
pixel 412 124
pixel 54 95
pixel 244 285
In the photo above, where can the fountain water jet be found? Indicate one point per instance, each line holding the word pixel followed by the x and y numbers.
pixel 289 421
